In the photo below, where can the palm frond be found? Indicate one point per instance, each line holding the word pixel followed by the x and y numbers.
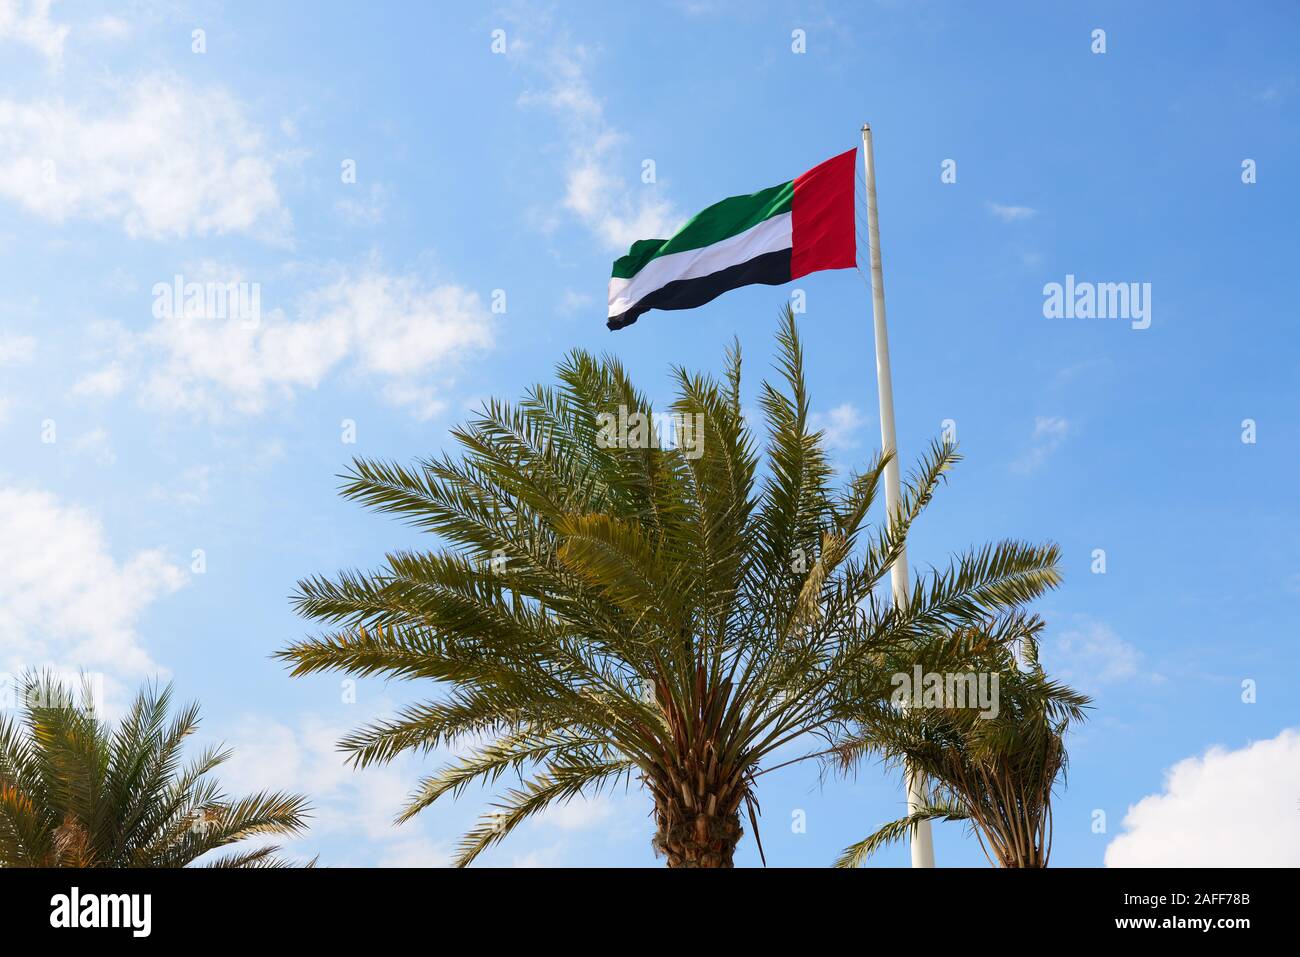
pixel 903 829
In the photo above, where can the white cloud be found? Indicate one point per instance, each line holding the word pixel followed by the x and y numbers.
pixel 1012 214
pixel 539 857
pixel 191 487
pixel 1050 427
pixel 366 208
pixel 397 327
pixel 121 282
pixel 346 802
pixel 357 807
pixel 16 349
pixel 573 302
pixel 578 814
pixel 1276 92
pixel 1090 653
pixel 422 401
pixel 372 324
pixel 65 601
pixel 162 158
pixel 1089 369
pixel 95 444
pixel 1223 809
pixel 594 192
pixel 102 384
pixel 419 852
pixel 1049 432
pixel 700 8
pixel 273 755
pixel 109 28
pixel 29 23
pixel 840 425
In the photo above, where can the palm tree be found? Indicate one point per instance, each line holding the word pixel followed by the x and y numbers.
pixel 995 769
pixel 75 792
pixel 607 608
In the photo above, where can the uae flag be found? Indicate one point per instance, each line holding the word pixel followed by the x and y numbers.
pixel 769 237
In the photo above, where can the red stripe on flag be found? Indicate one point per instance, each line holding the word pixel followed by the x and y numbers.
pixel 821 215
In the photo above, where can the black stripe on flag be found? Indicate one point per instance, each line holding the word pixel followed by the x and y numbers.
pixel 769 269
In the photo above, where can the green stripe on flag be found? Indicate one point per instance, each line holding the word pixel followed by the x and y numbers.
pixel 720 221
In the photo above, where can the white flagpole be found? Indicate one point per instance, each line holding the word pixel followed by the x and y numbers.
pixel 922 843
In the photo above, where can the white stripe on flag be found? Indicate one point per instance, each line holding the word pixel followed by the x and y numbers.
pixel 771 235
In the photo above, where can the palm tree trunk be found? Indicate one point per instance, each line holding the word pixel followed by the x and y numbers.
pixel 694 837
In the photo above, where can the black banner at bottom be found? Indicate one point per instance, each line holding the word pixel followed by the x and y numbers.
pixel 942 907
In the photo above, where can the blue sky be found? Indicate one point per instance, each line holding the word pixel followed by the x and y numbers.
pixel 164 482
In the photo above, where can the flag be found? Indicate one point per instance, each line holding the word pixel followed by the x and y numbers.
pixel 769 237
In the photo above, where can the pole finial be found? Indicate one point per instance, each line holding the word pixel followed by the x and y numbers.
pixel 866 127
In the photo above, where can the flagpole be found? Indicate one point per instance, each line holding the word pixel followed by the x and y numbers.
pixel 922 842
